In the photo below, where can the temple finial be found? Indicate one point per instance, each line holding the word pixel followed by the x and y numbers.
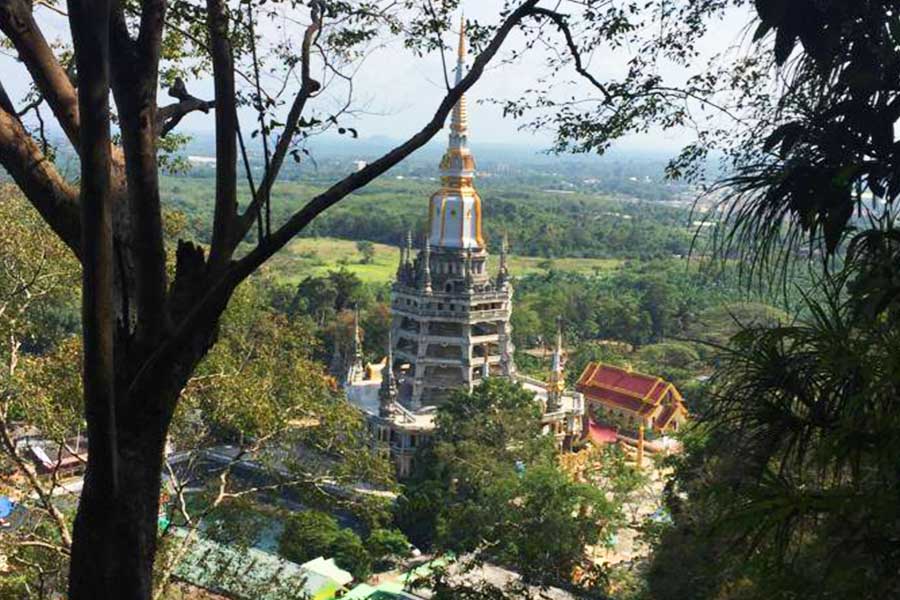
pixel 357 342
pixel 402 263
pixel 557 382
pixel 390 351
pixel 558 343
pixel 459 121
pixel 461 47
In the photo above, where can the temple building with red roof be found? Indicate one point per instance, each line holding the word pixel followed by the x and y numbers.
pixel 633 398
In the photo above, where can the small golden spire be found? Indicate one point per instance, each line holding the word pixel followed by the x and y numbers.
pixel 461 49
pixel 459 120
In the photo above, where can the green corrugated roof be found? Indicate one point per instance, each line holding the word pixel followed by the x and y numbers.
pixel 249 573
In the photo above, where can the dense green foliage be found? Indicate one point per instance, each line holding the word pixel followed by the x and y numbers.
pixel 387 545
pixel 313 533
pixel 789 487
pixel 39 387
pixel 794 462
pixel 489 488
pixel 639 303
pixel 538 223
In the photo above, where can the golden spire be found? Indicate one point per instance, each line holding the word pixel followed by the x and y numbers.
pixel 459 122
pixel 455 211
pixel 461 48
pixel 557 383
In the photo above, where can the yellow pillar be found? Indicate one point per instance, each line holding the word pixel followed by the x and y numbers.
pixel 640 450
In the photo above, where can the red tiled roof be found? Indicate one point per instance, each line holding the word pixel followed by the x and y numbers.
pixel 619 399
pixel 630 390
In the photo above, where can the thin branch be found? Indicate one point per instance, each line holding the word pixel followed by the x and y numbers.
pixel 18 24
pixel 352 182
pixel 168 117
pixel 430 9
pixel 41 544
pixel 308 87
pixel 563 26
pixel 261 113
pixel 34 482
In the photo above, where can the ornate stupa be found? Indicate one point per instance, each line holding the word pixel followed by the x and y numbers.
pixel 450 316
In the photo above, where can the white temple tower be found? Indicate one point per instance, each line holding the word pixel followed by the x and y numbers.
pixel 450 316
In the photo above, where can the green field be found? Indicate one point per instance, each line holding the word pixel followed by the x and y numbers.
pixel 315 256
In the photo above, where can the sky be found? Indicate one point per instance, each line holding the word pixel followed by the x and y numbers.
pixel 397 92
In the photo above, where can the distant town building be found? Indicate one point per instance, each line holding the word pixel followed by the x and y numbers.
pixel 451 318
pixel 631 398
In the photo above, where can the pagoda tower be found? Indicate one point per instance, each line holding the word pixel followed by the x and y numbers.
pixel 355 370
pixel 556 383
pixel 450 324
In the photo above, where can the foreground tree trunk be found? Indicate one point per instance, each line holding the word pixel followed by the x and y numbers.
pixel 144 334
pixel 115 533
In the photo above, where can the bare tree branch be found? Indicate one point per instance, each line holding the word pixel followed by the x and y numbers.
pixel 354 181
pixel 168 117
pixel 563 25
pixel 35 484
pixel 51 79
pixel 308 87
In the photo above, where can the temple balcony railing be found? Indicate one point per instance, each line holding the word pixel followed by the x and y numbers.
pixel 412 357
pixel 459 316
pixel 438 295
pixel 486 315
pixel 437 381
pixel 401 354
pixel 459 361
pixel 408 334
pixel 444 339
pixel 485 339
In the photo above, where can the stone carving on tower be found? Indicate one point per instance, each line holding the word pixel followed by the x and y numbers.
pixel 450 316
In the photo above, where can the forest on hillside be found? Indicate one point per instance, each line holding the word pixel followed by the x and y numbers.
pixel 538 222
